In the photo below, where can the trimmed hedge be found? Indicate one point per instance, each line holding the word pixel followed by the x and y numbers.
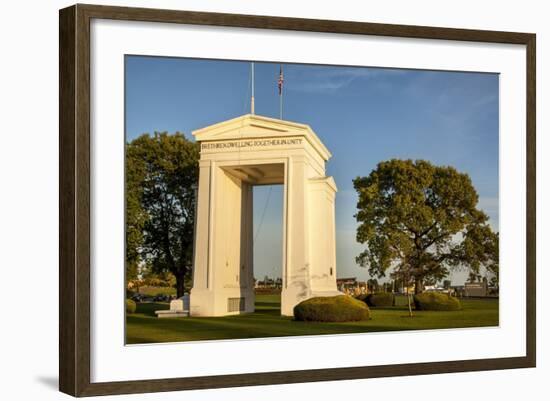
pixel 436 301
pixel 340 308
pixel 130 306
pixel 380 299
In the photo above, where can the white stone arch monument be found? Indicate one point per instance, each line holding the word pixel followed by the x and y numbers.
pixel 253 150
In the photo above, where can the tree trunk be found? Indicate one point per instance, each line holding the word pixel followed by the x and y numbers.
pixel 409 303
pixel 418 286
pixel 180 289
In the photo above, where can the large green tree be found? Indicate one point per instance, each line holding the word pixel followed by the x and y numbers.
pixel 161 179
pixel 419 221
pixel 135 214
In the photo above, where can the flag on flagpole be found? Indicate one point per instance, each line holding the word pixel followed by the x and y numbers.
pixel 281 80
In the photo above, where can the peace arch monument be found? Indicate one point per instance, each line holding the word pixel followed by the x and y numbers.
pixel 253 150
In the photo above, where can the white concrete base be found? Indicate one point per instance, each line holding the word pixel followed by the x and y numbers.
pixel 178 308
pixel 171 313
pixel 222 302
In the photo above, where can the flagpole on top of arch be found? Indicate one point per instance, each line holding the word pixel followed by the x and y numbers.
pixel 280 82
pixel 252 89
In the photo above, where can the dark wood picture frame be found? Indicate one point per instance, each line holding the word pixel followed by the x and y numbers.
pixel 74 203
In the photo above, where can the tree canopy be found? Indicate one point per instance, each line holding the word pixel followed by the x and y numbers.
pixel 419 221
pixel 161 179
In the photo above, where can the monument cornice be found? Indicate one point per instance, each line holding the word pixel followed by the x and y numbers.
pixel 255 127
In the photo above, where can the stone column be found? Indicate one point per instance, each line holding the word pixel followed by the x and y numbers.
pixel 323 238
pixel 223 273
pixel 296 286
pixel 247 247
pixel 201 303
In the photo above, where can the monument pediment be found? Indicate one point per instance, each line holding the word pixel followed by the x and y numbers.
pixel 251 126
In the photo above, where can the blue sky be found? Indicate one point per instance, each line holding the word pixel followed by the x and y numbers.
pixel 363 116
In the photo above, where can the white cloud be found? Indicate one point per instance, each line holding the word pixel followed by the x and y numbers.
pixel 331 79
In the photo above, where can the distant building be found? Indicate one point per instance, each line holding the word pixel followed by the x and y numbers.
pixel 434 288
pixel 457 291
pixel 350 286
pixel 270 283
pixel 476 289
pixel 346 283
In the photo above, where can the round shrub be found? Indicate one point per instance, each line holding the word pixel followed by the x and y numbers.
pixel 130 306
pixel 340 308
pixel 436 301
pixel 380 299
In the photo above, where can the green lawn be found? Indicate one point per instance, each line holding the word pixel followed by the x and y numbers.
pixel 154 291
pixel 145 327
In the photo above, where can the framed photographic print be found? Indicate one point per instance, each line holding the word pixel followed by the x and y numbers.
pixel 349 200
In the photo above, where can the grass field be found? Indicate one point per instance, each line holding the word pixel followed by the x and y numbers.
pixel 154 291
pixel 145 327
